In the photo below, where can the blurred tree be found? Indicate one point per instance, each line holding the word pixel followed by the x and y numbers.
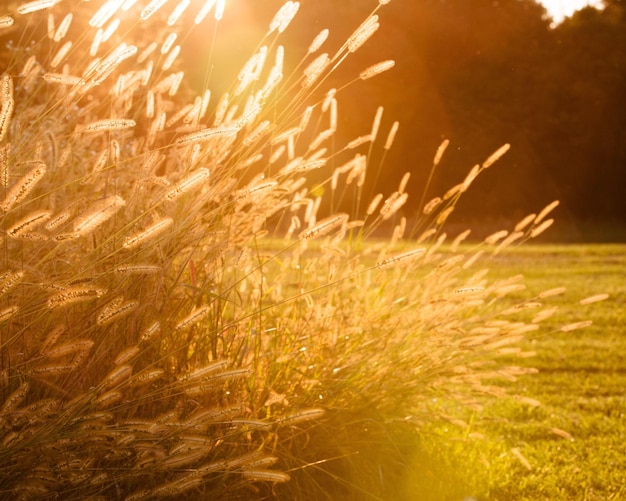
pixel 487 72
pixel 586 134
pixel 483 58
pixel 482 73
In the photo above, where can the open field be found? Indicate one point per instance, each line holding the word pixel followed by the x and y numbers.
pixel 572 446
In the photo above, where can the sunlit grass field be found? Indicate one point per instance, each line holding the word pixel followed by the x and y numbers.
pixel 572 445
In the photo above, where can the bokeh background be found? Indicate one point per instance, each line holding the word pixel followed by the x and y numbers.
pixel 483 73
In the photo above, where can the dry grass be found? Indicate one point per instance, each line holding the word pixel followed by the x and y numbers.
pixel 156 339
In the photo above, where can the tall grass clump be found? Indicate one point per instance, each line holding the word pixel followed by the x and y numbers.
pixel 179 317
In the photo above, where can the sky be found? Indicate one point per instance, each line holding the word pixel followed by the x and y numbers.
pixel 559 9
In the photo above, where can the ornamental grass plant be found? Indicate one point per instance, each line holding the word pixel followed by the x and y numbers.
pixel 179 317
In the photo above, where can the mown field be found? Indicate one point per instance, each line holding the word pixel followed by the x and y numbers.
pixel 571 445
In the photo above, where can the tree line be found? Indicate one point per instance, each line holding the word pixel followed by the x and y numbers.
pixel 484 73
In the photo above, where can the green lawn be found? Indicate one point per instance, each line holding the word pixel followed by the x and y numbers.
pixel 572 446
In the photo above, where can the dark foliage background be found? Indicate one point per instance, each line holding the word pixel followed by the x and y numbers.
pixel 483 73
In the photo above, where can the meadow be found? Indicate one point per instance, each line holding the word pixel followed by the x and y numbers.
pixel 185 314
pixel 570 444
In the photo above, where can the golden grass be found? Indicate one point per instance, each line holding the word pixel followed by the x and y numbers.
pixel 156 338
